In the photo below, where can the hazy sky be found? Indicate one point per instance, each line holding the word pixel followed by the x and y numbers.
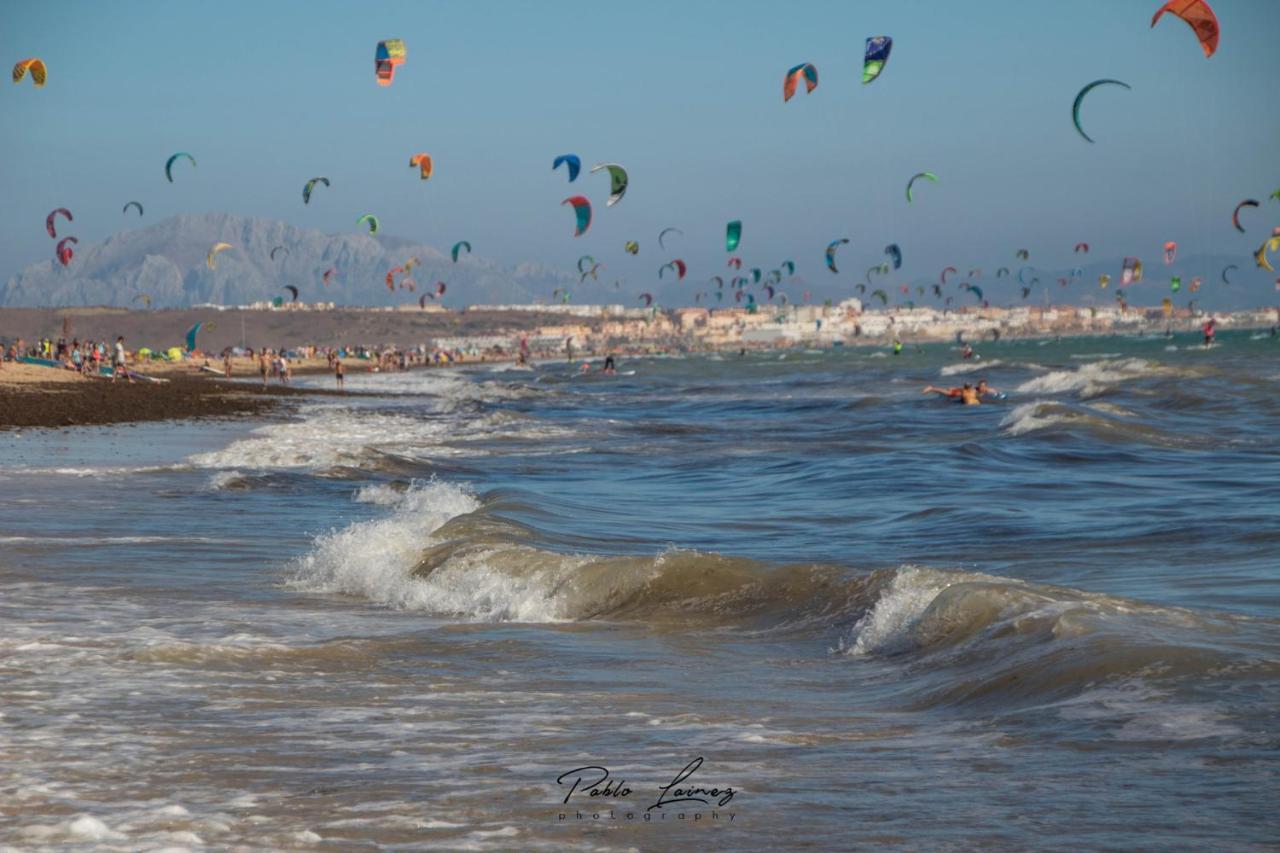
pixel 686 95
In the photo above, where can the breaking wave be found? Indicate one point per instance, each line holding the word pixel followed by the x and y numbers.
pixel 441 552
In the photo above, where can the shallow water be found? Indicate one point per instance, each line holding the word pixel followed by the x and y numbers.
pixel 881 619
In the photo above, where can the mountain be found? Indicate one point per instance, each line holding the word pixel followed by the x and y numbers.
pixel 166 261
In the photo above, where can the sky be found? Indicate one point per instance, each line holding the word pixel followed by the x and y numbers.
pixel 687 96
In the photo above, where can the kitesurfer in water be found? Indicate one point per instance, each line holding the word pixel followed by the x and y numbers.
pixel 966 351
pixel 897 347
pixel 1209 329
pixel 610 368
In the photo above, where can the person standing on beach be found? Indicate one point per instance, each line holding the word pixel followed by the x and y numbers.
pixel 338 372
pixel 118 363
pixel 226 364
pixel 262 366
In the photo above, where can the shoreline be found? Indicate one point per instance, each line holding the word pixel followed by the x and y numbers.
pixel 34 396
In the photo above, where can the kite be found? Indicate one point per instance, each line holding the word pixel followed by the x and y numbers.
pixel 571 163
pixel 718 280
pixel 917 176
pixel 278 249
pixel 791 267
pixel 1022 254
pixel 293 290
pixel 884 297
pixel 458 245
pixel 217 247
pixel 732 235
pixel 136 204
pixel 168 166
pixel 805 71
pixel 310 185
pixel 191 336
pixel 1002 272
pixel 1075 108
pixel 756 275
pixel 975 273
pixel 1104 280
pixel 631 247
pixel 372 220
pixel 617 181
pixel 977 291
pixel 736 263
pixel 591 272
pixel 390 277
pixel 677 265
pixel 666 231
pixel 1026 291
pixel 831 252
pixel 1175 284
pixel 1195 284
pixel 1170 252
pixel 1131 271
pixel 423 163
pixel 1260 257
pixel 324 279
pixel 943 277
pixel 146 299
pixel 877 55
pixel 582 210
pixel 1199 17
pixel 422 301
pixel 64 252
pixel 387 56
pixel 441 287
pixel 49 223
pixel 37 68
pixel 1082 247
pixel 1226 280
pixel 1235 216
pixel 895 254
pixel 648 299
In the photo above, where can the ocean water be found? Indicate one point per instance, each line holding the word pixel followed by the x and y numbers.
pixel 422 617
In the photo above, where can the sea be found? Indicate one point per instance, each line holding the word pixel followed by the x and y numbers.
pixel 760 601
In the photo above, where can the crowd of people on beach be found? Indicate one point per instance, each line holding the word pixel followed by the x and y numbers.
pixel 87 357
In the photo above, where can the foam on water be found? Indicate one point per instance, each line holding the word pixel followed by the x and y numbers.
pixel 375 559
pixel 326 437
pixel 887 626
pixel 1091 379
pixel 969 367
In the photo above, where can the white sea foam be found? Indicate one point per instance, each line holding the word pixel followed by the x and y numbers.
pixel 380 494
pixel 1090 379
pixel 1029 417
pixel 969 367
pixel 328 436
pixel 886 628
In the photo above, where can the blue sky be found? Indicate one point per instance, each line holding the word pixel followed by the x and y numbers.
pixel 686 95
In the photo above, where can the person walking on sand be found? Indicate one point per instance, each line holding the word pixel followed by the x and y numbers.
pixel 338 372
pixel 118 363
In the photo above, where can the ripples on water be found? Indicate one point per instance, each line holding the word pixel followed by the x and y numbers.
pixel 884 618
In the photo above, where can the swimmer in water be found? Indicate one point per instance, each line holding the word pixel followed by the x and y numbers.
pixel 968 395
pixel 985 390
